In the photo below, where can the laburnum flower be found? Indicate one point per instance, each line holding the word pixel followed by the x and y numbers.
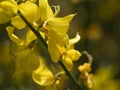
pixel 55 28
pixel 30 12
pixel 43 76
pixel 71 54
pixel 8 9
pixel 29 37
pixel 66 52
pixel 85 69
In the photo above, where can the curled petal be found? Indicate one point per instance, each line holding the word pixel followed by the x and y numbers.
pixel 42 75
pixel 75 39
pixel 57 9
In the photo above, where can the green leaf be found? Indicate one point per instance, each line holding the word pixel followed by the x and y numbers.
pixel 26 61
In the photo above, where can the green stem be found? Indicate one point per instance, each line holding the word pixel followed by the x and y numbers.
pixel 33 30
pixel 77 86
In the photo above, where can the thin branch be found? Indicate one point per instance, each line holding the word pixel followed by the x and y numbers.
pixel 69 74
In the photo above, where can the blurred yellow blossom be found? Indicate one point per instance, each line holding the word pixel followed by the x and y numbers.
pixel 85 76
pixel 105 79
pixel 30 36
pixel 8 9
pixel 12 36
pixel 86 67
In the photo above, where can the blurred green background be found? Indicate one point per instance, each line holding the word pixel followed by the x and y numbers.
pixel 98 22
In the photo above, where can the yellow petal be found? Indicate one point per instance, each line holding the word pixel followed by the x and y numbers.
pixel 12 36
pixel 53 50
pixel 62 49
pixel 75 39
pixel 86 67
pixel 17 22
pixel 46 11
pixel 60 25
pixel 60 39
pixel 68 63
pixel 30 36
pixel 8 8
pixel 57 9
pixel 3 16
pixel 26 61
pixel 66 19
pixel 30 11
pixel 42 75
pixel 73 54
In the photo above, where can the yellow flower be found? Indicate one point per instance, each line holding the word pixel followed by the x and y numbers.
pixel 30 11
pixel 86 67
pixel 73 54
pixel 12 36
pixel 69 56
pixel 64 52
pixel 8 9
pixel 30 36
pixel 55 28
pixel 87 78
pixel 43 76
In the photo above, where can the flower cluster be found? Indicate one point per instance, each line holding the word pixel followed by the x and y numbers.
pixel 85 69
pixel 53 29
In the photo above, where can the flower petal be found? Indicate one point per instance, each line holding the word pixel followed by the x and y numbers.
pixel 53 50
pixel 8 8
pixel 12 36
pixel 75 39
pixel 30 11
pixel 42 75
pixel 46 11
pixel 73 54
pixel 17 22
pixel 86 67
pixel 3 16
pixel 60 39
pixel 30 36
pixel 68 63
pixel 60 25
